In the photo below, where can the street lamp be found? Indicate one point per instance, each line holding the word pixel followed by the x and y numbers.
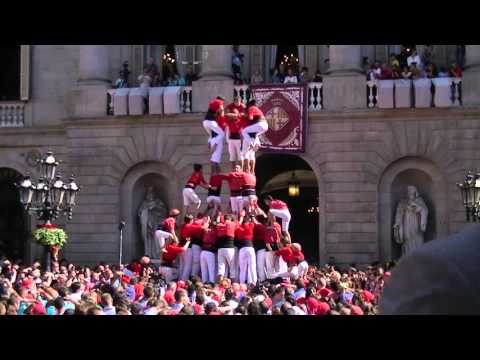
pixel 293 186
pixel 50 197
pixel 470 190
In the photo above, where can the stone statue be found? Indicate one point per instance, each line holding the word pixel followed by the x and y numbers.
pixel 151 212
pixel 410 221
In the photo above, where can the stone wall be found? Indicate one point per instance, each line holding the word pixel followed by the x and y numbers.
pixel 355 155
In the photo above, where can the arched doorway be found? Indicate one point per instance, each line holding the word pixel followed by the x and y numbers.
pixel 165 187
pixel 432 187
pixel 274 171
pixel 14 221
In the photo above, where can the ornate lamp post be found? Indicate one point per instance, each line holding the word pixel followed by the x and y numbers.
pixel 51 197
pixel 470 189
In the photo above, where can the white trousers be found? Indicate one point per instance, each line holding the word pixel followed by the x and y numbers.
pixel 159 243
pixel 249 154
pixel 207 264
pixel 168 273
pixel 190 197
pixel 258 128
pixel 284 215
pixel 236 202
pixel 214 199
pixel 191 262
pixel 295 272
pixel 234 149
pixel 248 265
pixel 212 125
pixel 262 265
pixel 270 261
pixel 226 262
pixel 216 156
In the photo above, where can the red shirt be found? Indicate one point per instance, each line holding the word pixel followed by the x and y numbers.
pixel 216 181
pixel 171 253
pixel 245 231
pixel 138 290
pixel 278 205
pixel 209 239
pixel 196 179
pixel 297 256
pixel 260 232
pixel 222 121
pixel 169 224
pixel 234 179
pixel 249 180
pixel 227 228
pixel 192 230
pixel 272 235
pixel 254 111
pixel 235 125
pixel 169 297
pixel 286 254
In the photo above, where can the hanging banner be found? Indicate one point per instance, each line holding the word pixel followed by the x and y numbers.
pixel 285 108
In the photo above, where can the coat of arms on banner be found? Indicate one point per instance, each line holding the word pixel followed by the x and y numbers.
pixel 285 108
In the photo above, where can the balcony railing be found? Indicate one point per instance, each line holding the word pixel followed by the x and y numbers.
pixel 421 93
pixel 12 114
pixel 383 94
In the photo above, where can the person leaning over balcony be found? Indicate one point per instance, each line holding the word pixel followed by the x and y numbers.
pixel 414 59
pixel 256 78
pixel 396 73
pixel 406 73
pixel 455 70
pixel 386 72
pixel 257 126
pixel 276 78
pixel 291 78
pixel 317 77
pixel 304 77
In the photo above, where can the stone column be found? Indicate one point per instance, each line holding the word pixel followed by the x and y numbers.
pixel 89 96
pixel 345 85
pixel 471 76
pixel 216 77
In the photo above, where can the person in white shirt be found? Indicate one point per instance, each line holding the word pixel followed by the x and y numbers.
pixel 290 78
pixel 414 58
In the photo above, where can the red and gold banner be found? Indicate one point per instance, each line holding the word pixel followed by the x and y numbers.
pixel 285 107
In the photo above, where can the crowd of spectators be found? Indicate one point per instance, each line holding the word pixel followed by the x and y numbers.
pixel 138 289
pixel 408 64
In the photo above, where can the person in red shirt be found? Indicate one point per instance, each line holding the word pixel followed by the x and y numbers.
pixel 250 200
pixel 293 256
pixel 192 230
pixel 235 181
pixel 216 142
pixel 246 253
pixel 226 247
pixel 169 254
pixel 190 197
pixel 257 125
pixel 216 133
pixel 279 209
pixel 209 250
pixel 235 113
pixel 214 202
pixel 165 231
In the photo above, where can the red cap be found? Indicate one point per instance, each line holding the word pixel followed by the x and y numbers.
pixel 215 104
pixel 126 278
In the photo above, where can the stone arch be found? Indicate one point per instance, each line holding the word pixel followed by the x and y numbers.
pixel 167 183
pixel 419 171
pixel 313 165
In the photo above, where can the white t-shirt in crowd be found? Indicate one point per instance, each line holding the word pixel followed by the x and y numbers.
pixel 290 80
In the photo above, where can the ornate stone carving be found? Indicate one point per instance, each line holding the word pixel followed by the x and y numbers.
pixel 410 221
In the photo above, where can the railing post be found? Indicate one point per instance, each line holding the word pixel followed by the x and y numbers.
pixel 311 99
pixel 370 86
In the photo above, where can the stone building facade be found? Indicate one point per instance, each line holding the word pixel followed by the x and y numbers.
pixel 362 158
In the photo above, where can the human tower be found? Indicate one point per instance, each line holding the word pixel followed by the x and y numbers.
pixel 244 244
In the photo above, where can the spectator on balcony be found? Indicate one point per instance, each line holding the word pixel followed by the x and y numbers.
pixel 427 55
pixel 256 77
pixel 394 61
pixel 396 73
pixel 276 78
pixel 370 73
pixel 317 77
pixel 404 54
pixel 416 72
pixel 237 60
pixel 176 80
pixel 406 73
pixel 455 70
pixel 151 69
pixel 414 58
pixel 430 71
pixel 304 77
pixel 189 76
pixel 291 78
pixel 386 72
